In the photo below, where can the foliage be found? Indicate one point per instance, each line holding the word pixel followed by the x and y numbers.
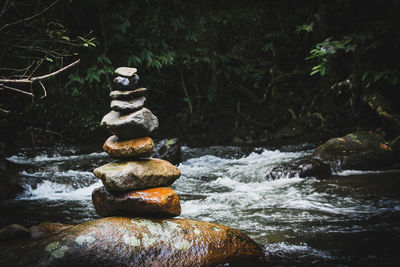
pixel 216 65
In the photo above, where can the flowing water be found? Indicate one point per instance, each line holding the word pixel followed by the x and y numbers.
pixel 353 218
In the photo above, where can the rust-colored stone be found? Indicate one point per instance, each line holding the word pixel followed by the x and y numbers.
pixel 152 202
pixel 135 148
pixel 118 241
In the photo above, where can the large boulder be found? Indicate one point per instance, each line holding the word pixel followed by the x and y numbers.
pixel 358 151
pixel 307 167
pixel 135 148
pixel 128 105
pixel 117 241
pixel 139 174
pixel 123 95
pixel 152 202
pixel 46 228
pixel 137 124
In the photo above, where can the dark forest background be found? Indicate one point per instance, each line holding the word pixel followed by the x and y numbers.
pixel 220 72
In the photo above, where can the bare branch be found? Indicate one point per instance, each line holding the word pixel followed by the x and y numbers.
pixel 29 18
pixel 5 7
pixel 2 86
pixel 56 72
pixel 5 111
pixel 33 79
pixel 44 90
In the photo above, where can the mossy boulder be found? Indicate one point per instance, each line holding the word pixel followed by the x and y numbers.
pixel 46 228
pixel 358 151
pixel 119 241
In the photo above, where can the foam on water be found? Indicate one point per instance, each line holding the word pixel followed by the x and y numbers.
pixel 359 172
pixel 227 189
pixel 24 158
pixel 55 191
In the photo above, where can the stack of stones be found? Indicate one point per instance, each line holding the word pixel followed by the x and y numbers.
pixel 134 185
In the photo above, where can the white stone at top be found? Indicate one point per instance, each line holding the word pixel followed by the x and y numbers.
pixel 125 71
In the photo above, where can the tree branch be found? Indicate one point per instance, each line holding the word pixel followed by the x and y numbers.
pixel 44 90
pixel 4 111
pixel 4 8
pixel 2 86
pixel 29 18
pixel 33 79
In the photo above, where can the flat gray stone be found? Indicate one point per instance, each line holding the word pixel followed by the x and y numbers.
pixel 125 71
pixel 139 174
pixel 122 95
pixel 137 124
pixel 124 83
pixel 128 105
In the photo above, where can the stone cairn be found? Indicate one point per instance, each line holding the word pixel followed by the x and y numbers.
pixel 135 185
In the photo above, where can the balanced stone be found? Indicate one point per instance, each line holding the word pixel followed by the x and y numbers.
pixel 122 95
pixel 125 71
pixel 124 83
pixel 128 105
pixel 135 148
pixel 121 241
pixel 152 202
pixel 140 174
pixel 137 124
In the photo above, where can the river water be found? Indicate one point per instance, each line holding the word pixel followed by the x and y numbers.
pixel 353 218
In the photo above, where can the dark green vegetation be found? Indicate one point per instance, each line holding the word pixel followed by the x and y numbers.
pixel 218 70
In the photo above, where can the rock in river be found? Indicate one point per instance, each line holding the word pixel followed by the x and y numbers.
pixel 357 151
pixel 122 95
pixel 152 202
pixel 140 174
pixel 14 232
pixel 135 148
pixel 307 167
pixel 128 105
pixel 117 241
pixel 137 124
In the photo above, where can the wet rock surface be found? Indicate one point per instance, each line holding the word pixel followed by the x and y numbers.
pixel 170 150
pixel 46 228
pixel 128 105
pixel 117 241
pixel 137 124
pixel 140 174
pixel 123 83
pixel 123 95
pixel 358 151
pixel 153 202
pixel 135 148
pixel 307 167
pixel 14 232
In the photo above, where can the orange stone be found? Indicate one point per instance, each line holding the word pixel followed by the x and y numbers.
pixel 152 202
pixel 135 148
